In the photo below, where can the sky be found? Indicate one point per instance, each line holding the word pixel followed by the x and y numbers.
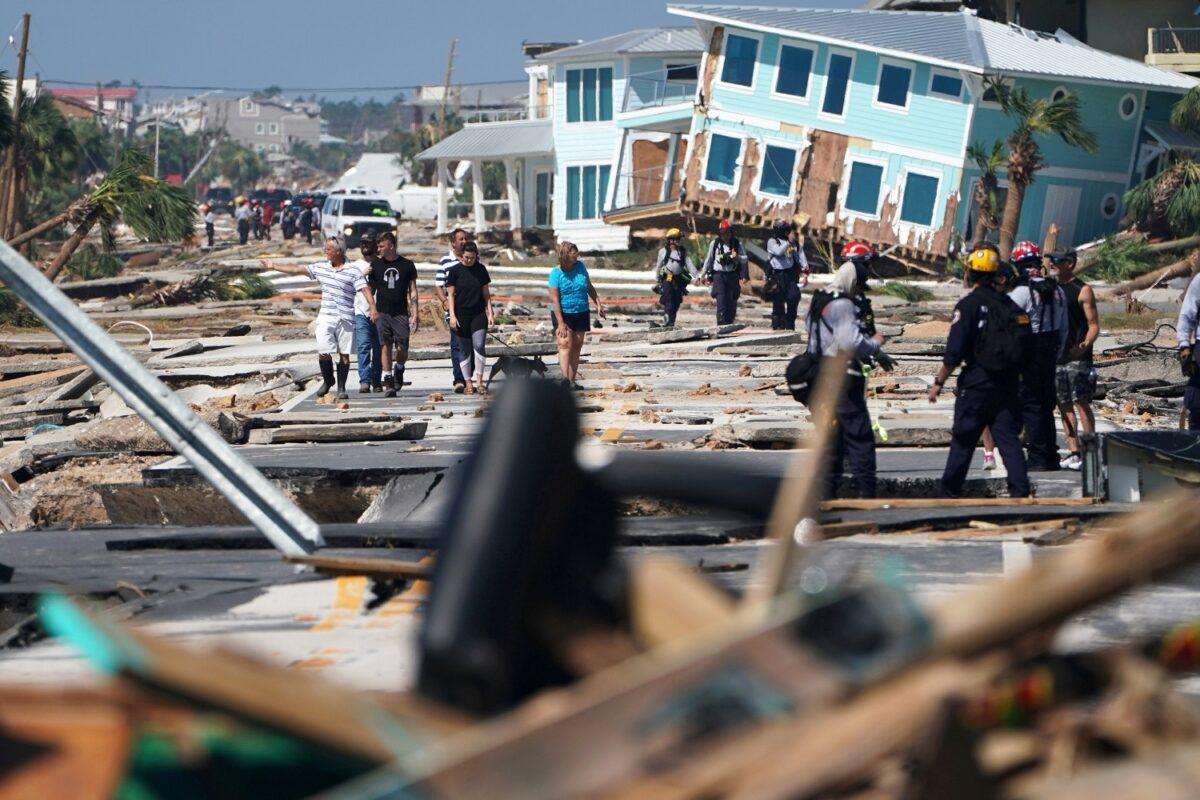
pixel 308 44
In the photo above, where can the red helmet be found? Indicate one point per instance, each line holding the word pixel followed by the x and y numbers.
pixel 858 250
pixel 725 226
pixel 1026 251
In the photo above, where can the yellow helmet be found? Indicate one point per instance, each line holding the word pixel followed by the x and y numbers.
pixel 674 233
pixel 983 260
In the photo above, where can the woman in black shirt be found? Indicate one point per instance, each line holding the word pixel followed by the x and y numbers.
pixel 471 313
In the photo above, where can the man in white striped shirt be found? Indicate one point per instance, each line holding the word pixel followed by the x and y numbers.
pixel 340 285
pixel 458 239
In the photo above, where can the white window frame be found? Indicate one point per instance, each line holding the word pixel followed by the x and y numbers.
pixel 946 73
pixel 590 122
pixel 601 198
pixel 273 128
pixel 762 170
pixel 1116 208
pixel 1121 104
pixel 1060 88
pixel 912 76
pixel 812 74
pixel 260 129
pixel 853 56
pixel 738 164
pixel 926 172
pixel 247 108
pixel 844 194
pixel 737 87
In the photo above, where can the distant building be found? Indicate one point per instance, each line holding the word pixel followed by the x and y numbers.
pixel 263 124
pixel 116 103
pixel 481 103
pixel 29 89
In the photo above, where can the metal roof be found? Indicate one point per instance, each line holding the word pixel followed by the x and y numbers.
pixel 643 41
pixel 494 140
pixel 957 40
pixel 1171 138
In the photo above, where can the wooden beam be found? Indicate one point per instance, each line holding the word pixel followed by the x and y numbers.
pixel 953 502
pixel 356 565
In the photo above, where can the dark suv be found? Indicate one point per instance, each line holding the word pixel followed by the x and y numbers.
pixel 220 199
pixel 275 197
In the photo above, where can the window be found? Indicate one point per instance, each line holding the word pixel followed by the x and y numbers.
pixel 866 182
pixel 894 82
pixel 837 81
pixel 795 67
pixel 1128 106
pixel 1060 93
pixel 943 84
pixel 683 73
pixel 1110 205
pixel 741 54
pixel 587 187
pixel 273 128
pixel 248 107
pixel 589 94
pixel 920 199
pixel 366 208
pixel 779 166
pixel 723 152
pixel 259 128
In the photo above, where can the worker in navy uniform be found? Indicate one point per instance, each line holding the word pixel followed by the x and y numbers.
pixel 989 336
pixel 1040 296
pixel 1189 357
pixel 674 270
pixel 836 325
pixel 787 270
pixel 726 267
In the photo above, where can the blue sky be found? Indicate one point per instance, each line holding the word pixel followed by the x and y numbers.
pixel 311 43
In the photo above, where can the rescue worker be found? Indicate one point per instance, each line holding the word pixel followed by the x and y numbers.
pixel 305 223
pixel 787 265
pixel 675 271
pixel 836 325
pixel 1185 330
pixel 1076 377
pixel 727 268
pixel 989 336
pixel 287 220
pixel 1044 301
pixel 243 215
pixel 210 221
pixel 1006 280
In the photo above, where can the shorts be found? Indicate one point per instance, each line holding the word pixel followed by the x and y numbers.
pixel 335 336
pixel 1075 382
pixel 579 323
pixel 393 329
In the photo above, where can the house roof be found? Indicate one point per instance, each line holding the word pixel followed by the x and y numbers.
pixel 955 40
pixel 494 140
pixel 639 42
pixel 1171 138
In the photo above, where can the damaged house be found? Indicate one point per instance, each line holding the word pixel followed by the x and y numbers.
pixel 857 123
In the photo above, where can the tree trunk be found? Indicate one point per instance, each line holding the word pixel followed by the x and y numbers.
pixel 36 231
pixel 1011 222
pixel 69 247
pixel 1180 269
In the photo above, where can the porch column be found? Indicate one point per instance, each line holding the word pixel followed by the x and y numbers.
pixel 443 197
pixel 511 167
pixel 614 179
pixel 477 194
pixel 669 172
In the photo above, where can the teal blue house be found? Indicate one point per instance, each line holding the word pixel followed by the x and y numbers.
pixel 857 123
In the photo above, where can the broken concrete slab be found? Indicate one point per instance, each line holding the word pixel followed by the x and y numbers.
pixel 21 385
pixel 15 456
pixel 131 434
pixel 275 419
pixel 186 349
pixel 345 432
pixel 48 407
pixel 209 342
pixel 402 496
pixel 75 388
pixel 685 419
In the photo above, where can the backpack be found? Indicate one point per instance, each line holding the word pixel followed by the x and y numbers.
pixel 802 371
pixel 1002 343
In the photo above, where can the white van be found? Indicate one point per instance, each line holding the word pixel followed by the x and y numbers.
pixel 351 213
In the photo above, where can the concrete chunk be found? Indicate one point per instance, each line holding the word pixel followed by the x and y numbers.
pixel 344 432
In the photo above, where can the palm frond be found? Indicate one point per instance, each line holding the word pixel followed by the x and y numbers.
pixel 1185 114
pixel 152 208
pixel 6 126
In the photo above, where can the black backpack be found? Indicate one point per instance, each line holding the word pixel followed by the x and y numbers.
pixel 1002 343
pixel 802 371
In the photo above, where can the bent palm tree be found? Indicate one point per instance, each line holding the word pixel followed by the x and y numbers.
pixel 153 209
pixel 1034 118
pixel 1169 203
pixel 987 190
pixel 46 152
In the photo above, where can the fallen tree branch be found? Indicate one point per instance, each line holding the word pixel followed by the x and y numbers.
pixel 1180 269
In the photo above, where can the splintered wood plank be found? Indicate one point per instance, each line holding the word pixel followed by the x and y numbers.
pixel 954 502
pixel 669 602
pixel 356 565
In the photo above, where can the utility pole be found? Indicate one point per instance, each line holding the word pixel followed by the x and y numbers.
pixel 446 90
pixel 157 125
pixel 11 177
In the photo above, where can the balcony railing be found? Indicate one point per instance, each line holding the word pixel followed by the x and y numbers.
pixel 646 92
pixel 1167 41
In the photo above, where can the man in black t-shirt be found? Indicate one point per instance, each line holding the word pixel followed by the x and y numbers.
pixel 393 280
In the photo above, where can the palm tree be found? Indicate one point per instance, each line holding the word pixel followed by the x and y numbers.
pixel 987 190
pixel 153 209
pixel 46 152
pixel 1169 203
pixel 1034 118
pixel 6 120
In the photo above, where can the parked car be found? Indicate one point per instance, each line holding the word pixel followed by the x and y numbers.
pixel 351 214
pixel 273 196
pixel 220 199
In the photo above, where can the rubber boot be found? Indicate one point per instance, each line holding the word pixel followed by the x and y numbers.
pixel 397 379
pixel 343 369
pixel 326 377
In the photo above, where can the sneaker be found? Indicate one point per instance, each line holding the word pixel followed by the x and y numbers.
pixel 378 387
pixel 1073 461
pixel 989 461
pixel 364 389
pixel 343 396
pixel 459 387
pixel 391 392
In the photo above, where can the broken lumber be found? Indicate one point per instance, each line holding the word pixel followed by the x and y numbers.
pixel 977 531
pixel 353 565
pixel 1180 269
pixel 345 432
pixel 952 502
pixel 669 602
pixel 75 388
